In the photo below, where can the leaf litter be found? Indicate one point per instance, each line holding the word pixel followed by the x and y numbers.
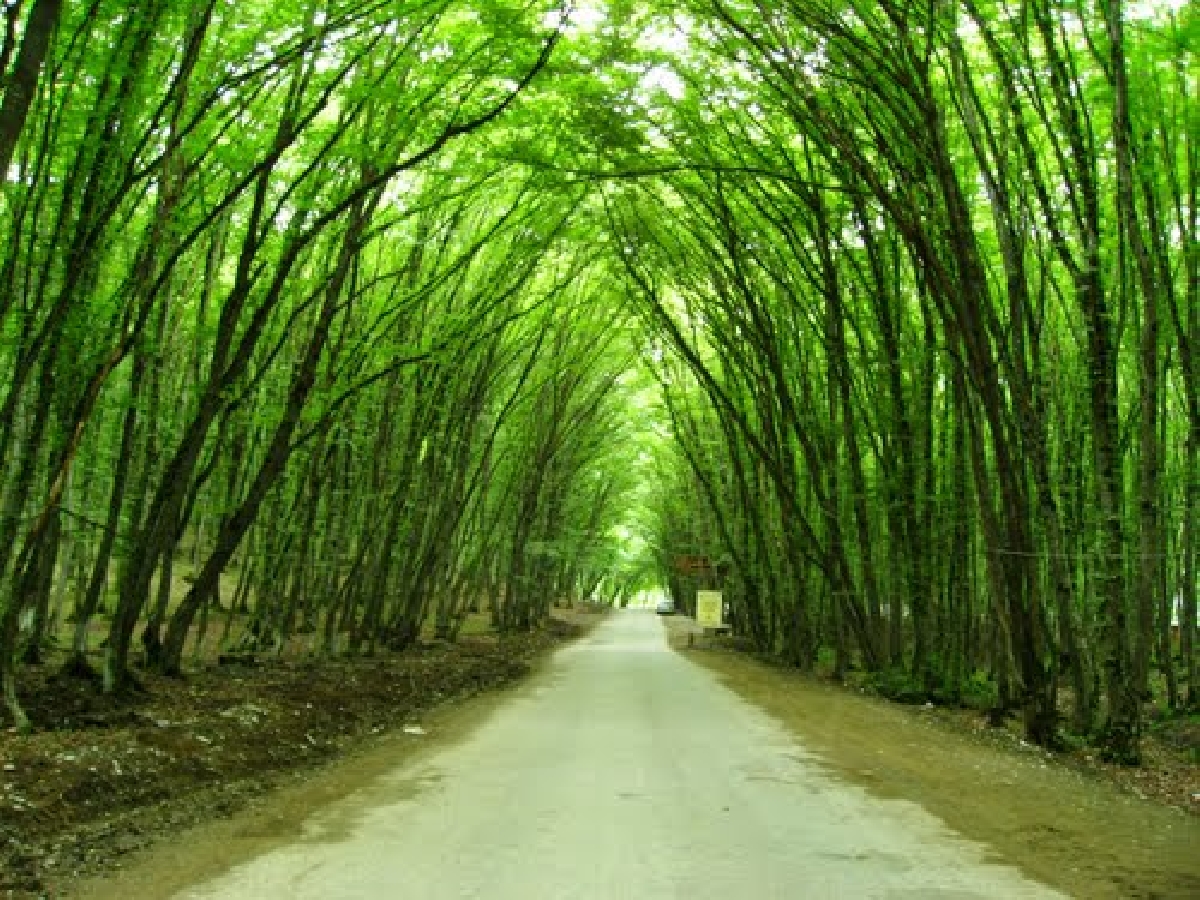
pixel 103 776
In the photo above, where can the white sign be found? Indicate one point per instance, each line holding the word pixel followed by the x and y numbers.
pixel 709 609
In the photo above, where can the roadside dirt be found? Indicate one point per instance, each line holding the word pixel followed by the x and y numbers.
pixel 1068 827
pixel 101 778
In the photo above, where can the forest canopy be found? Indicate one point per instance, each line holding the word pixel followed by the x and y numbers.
pixel 350 316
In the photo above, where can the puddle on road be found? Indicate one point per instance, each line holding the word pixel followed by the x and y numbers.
pixel 1059 826
pixel 338 821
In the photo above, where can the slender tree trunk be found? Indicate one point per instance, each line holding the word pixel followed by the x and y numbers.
pixel 21 84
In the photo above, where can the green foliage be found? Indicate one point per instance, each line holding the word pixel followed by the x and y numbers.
pixel 978 691
pixel 897 684
pixel 880 320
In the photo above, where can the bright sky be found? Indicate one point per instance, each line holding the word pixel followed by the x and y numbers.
pixel 590 16
pixel 1153 9
pixel 585 18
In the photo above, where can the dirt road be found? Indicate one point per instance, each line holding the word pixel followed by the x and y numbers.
pixel 623 770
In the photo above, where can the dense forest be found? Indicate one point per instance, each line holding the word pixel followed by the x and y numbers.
pixel 335 319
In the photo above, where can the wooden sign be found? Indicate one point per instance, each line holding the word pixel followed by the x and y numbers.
pixel 693 565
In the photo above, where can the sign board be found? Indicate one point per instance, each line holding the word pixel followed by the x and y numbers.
pixel 709 609
pixel 693 565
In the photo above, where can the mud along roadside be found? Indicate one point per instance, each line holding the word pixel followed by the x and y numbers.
pixel 1066 827
pixel 100 780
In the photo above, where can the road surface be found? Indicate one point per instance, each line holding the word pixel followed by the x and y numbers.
pixel 622 771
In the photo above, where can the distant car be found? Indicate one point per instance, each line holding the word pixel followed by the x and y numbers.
pixel 665 608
